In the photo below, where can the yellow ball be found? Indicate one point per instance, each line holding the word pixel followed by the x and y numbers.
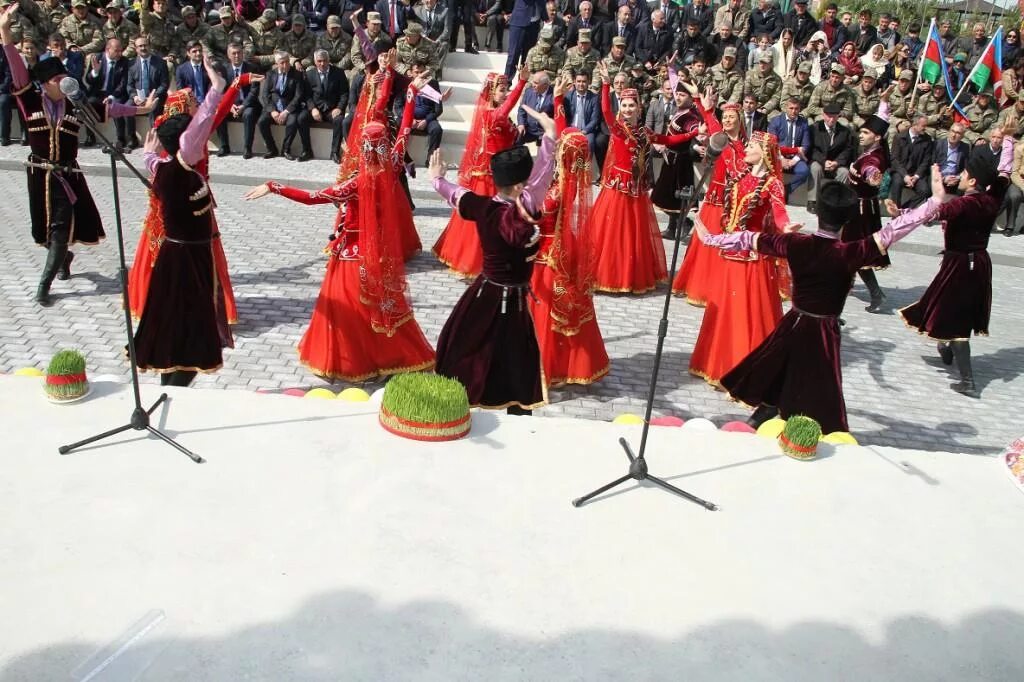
pixel 354 395
pixel 628 419
pixel 771 428
pixel 28 372
pixel 321 393
pixel 839 438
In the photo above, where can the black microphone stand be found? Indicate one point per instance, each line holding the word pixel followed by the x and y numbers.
pixel 140 416
pixel 638 463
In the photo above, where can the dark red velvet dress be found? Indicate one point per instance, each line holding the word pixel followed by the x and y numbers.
pixel 870 166
pixel 797 368
pixel 959 299
pixel 489 343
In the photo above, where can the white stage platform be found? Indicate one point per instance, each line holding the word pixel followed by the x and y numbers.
pixel 313 545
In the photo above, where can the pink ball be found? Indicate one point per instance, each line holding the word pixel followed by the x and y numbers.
pixel 297 392
pixel 738 427
pixel 667 421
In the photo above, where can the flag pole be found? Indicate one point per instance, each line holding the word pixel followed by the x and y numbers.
pixel 920 65
pixel 995 36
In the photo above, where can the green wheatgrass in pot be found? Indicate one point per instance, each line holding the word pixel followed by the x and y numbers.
pixel 67 363
pixel 799 438
pixel 425 398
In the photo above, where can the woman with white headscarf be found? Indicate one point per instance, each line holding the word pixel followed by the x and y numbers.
pixel 785 55
pixel 818 54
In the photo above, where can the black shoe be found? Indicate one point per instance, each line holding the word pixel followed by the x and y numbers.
pixel 877 299
pixel 6 142
pixel 24 142
pixel 288 155
pixel 945 352
pixel 965 387
pixel 43 295
pixel 247 154
pixel 812 207
pixel 761 415
pixel 89 142
pixel 305 155
pixel 272 154
pixel 224 151
pixel 65 270
pixel 472 50
pixel 961 351
pixel 335 157
pixel 668 234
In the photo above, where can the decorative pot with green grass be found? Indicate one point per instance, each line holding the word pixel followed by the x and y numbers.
pixel 425 407
pixel 799 438
pixel 65 377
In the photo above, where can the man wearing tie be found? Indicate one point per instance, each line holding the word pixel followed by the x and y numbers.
pixel 147 74
pixel 281 97
pixel 524 28
pixel 794 133
pixel 583 111
pixel 753 120
pixel 192 74
pixel 911 161
pixel 620 28
pixel 584 20
pixel 108 77
pixel 246 107
pixel 661 109
pixel 832 151
pixel 393 14
pixel 328 97
pixel 538 96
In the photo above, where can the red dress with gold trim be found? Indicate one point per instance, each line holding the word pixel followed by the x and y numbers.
pixel 362 325
pixel 153 233
pixel 571 347
pixel 630 255
pixel 700 264
pixel 744 301
pixel 458 247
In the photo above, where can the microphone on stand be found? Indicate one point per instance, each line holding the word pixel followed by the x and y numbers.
pixel 716 145
pixel 72 90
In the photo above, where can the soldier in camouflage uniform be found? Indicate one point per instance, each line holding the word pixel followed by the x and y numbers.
pixel 266 38
pixel 832 90
pixel 935 107
pixel 29 21
pixel 336 43
pixel 981 115
pixel 727 79
pixel 226 32
pixel 867 98
pixel 899 104
pixel 190 28
pixel 799 86
pixel 413 49
pixel 378 38
pixel 79 29
pixel 299 43
pixel 156 26
pixel 764 84
pixel 582 57
pixel 617 60
pixel 53 13
pixel 545 55
pixel 119 27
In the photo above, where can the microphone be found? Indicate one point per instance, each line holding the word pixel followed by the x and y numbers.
pixel 716 145
pixel 69 86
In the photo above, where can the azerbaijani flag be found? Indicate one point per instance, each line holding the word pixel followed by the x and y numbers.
pixel 933 64
pixel 988 70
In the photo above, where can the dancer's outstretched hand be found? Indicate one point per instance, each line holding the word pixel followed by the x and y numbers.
pixel 938 187
pixel 437 167
pixel 700 229
pixel 793 227
pixel 545 121
pixel 152 144
pixel 257 192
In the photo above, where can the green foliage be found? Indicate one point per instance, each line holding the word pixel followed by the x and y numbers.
pixel 802 431
pixel 66 362
pixel 425 398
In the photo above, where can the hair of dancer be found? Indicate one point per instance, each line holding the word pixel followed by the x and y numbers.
pixel 745 301
pixel 362 324
pixel 630 255
pixel 492 131
pixel 572 349
pixel 699 270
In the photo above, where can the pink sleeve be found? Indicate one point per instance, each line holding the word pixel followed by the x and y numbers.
pixel 19 74
pixel 151 161
pixel 195 137
pixel 906 222
pixel 540 178
pixel 1006 156
pixel 118 110
pixel 449 191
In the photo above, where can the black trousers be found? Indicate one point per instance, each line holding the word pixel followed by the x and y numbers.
pixel 338 129
pixel 248 118
pixel 434 132
pixel 122 126
pixel 297 122
pixel 520 40
pixel 460 13
pixel 7 106
pixel 909 197
pixel 495 32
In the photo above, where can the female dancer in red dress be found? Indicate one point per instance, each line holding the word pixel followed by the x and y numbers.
pixel 492 131
pixel 571 348
pixel 362 325
pixel 745 299
pixel 630 256
pixel 152 237
pixel 699 269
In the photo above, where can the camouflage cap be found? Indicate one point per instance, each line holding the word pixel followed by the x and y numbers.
pixel 413 29
pixel 298 19
pixel 839 69
pixel 114 4
pixel 870 73
pixel 188 11
pixel 766 58
pixel 805 67
pixel 226 11
pixel 75 3
pixel 373 18
pixel 584 35
pixel 269 14
pixel 729 52
pixel 547 34
pixel 905 75
pixel 333 20
pixel 618 41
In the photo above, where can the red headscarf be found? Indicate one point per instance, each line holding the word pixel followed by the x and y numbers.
pixel 475 155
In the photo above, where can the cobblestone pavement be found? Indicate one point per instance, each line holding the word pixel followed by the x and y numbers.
pixel 896 390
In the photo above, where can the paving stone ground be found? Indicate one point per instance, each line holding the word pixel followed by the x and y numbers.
pixel 896 390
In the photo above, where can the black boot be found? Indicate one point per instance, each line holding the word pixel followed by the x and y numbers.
pixel 673 223
pixel 962 355
pixel 65 270
pixel 945 352
pixel 180 377
pixel 761 415
pixel 877 295
pixel 55 256
pixel 519 411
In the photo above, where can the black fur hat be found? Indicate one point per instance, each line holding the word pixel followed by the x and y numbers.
pixel 511 166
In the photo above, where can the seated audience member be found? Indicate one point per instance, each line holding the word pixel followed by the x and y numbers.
pixel 833 148
pixel 794 134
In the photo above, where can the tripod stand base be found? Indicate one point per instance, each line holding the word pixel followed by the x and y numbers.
pixel 638 472
pixel 139 422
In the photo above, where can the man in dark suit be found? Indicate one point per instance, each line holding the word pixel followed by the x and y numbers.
pixel 555 22
pixel 792 130
pixel 192 73
pixel 246 107
pixel 801 23
pixel 585 19
pixel 523 29
pixel 832 148
pixel 148 73
pixel 394 15
pixel 282 97
pixel 911 160
pixel 951 155
pixel 673 14
pixel 653 40
pixel 316 12
pixel 620 27
pixel 108 77
pixel 433 17
pixel 74 62
pixel 661 109
pixel 753 120
pixel 539 96
pixel 583 110
pixel 327 88
pixel 699 13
